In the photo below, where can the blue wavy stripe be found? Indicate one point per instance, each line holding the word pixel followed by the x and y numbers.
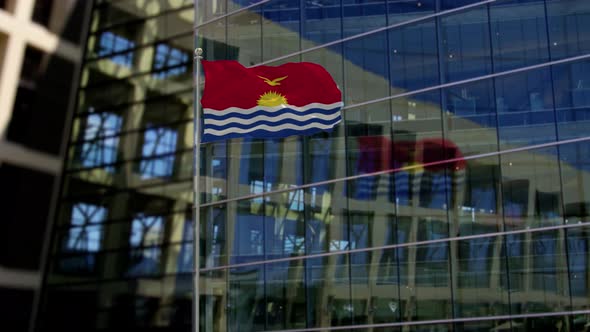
pixel 268 113
pixel 272 123
pixel 264 134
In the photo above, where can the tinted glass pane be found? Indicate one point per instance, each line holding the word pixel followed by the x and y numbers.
pixel 158 145
pixel 283 163
pixel 451 4
pixel 214 301
pixel 476 197
pixel 485 325
pixel 246 300
pixel 577 246
pixel 478 271
pixel 471 117
pixel 215 160
pixel 572 98
pixel 519 33
pixel 525 109
pixel 366 68
pixel 98 151
pixel 280 28
pixel 404 10
pixel 465 49
pixel 536 272
pixel 285 224
pixel 426 295
pixel 109 43
pixel 285 295
pixel 213 41
pixel 247 229
pixel 274 292
pixel 328 232
pixel 576 183
pixel 245 167
pixel 414 57
pixel 325 159
pixel 328 291
pixel 322 22
pixel 363 15
pixel 375 275
pixel 568 27
pixel 323 154
pixel 531 189
pixel 208 10
pixel 244 31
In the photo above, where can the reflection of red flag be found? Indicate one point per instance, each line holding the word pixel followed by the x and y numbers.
pixel 402 153
pixel 377 153
pixel 374 154
pixel 434 150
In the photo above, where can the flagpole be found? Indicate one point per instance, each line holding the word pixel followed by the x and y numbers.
pixel 196 191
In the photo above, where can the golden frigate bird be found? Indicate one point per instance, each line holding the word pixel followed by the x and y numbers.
pixel 274 82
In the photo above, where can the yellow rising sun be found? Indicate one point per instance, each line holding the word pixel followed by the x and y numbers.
pixel 272 98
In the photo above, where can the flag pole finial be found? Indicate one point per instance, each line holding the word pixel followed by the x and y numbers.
pixel 198 53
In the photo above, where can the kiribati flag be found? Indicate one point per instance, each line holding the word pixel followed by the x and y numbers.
pixel 268 102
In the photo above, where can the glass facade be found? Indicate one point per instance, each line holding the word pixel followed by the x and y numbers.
pixel 478 107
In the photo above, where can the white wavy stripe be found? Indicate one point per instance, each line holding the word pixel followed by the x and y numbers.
pixel 272 118
pixel 267 128
pixel 271 109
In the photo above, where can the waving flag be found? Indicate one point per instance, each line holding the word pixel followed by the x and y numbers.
pixel 268 102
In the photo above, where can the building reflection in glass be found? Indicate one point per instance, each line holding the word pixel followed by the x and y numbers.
pixel 459 233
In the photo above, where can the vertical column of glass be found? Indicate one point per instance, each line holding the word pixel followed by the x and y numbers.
pixel 566 25
pixel 285 220
pixel 211 36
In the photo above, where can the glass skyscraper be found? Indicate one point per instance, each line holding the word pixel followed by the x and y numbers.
pixel 454 196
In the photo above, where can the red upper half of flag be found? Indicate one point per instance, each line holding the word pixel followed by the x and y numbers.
pixel 229 84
